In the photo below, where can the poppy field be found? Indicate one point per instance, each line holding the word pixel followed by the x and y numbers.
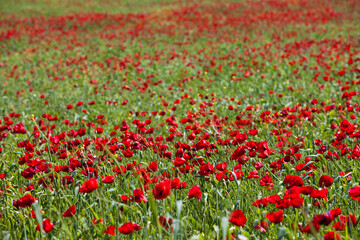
pixel 180 119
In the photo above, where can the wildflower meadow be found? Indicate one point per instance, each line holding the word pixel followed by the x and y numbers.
pixel 184 119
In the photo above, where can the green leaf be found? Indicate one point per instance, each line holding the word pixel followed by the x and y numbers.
pixel 283 231
pixel 224 226
pixel 38 214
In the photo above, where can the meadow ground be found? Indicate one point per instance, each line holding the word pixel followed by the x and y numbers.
pixel 179 119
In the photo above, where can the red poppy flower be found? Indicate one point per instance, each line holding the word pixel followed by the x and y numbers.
pixel 138 196
pixel 32 214
pixel 253 174
pixel 335 212
pixel 323 219
pixel 319 194
pixel 326 181
pixel 136 227
pixel 166 223
pixel 47 226
pixel 152 166
pixel 296 200
pixel 108 179
pixel 176 184
pixel 89 186
pixel 253 132
pixel 206 170
pixel 79 103
pixel 283 203
pixel 348 219
pixel 355 193
pixel 222 166
pixel 195 192
pixel 30 187
pixel 266 181
pixel 128 228
pixel 238 218
pixel 331 236
pixel 306 190
pixel 179 162
pixel 273 198
pixel 128 153
pixel 238 153
pixel 275 217
pixel 90 172
pixel 99 130
pixel 162 189
pixel 96 221
pixel 347 127
pixel 263 226
pixel 261 203
pixel 314 227
pixel 70 211
pixel 25 201
pixel 293 180
pixel 81 132
pixel 339 226
pixel 110 230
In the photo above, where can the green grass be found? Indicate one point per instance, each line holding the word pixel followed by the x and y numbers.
pixel 54 7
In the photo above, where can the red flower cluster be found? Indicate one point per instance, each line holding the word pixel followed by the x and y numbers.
pixel 47 226
pixel 195 192
pixel 126 228
pixel 162 190
pixel 25 202
pixel 238 218
pixel 89 186
pixel 70 211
